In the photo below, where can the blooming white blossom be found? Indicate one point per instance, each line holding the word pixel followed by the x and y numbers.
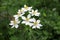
pixel 14 23
pixel 32 22
pixel 19 13
pixel 27 20
pixel 36 13
pixel 26 8
pixel 36 24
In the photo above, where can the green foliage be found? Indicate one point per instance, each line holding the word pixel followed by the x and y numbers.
pixel 50 19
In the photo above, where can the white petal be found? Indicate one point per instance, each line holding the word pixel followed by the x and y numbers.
pixel 37 14
pixel 24 10
pixel 27 23
pixel 28 16
pixel 11 23
pixel 29 8
pixel 23 22
pixel 32 10
pixel 36 10
pixel 18 22
pixel 16 26
pixel 33 20
pixel 21 14
pixel 19 10
pixel 38 27
pixel 24 18
pixel 12 26
pixel 38 21
pixel 16 16
pixel 34 27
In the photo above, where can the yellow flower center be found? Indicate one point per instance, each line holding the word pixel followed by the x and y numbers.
pixel 34 12
pixel 19 14
pixel 15 22
pixel 27 19
pixel 35 23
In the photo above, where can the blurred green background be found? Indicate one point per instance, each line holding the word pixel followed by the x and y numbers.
pixel 50 19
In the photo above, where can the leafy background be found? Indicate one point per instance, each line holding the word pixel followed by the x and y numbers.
pixel 50 19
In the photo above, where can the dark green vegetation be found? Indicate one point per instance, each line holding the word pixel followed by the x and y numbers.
pixel 50 19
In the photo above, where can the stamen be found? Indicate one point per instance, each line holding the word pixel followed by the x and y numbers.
pixel 35 23
pixel 27 19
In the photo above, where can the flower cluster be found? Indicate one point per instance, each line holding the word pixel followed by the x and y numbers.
pixel 27 20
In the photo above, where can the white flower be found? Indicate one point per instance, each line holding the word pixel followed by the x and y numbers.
pixel 36 13
pixel 21 11
pixel 26 8
pixel 14 23
pixel 36 24
pixel 19 14
pixel 27 20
